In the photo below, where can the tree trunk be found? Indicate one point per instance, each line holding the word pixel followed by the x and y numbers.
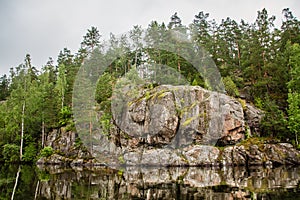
pixel 91 138
pixel 43 134
pixel 22 131
pixel 36 190
pixel 16 183
pixel 135 61
pixel 62 100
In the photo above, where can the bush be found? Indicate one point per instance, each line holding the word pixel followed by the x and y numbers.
pixel 104 88
pixel 105 123
pixel 65 116
pixel 230 87
pixel 46 152
pixel 30 153
pixel 11 152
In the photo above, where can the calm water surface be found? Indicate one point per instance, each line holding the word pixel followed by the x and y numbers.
pixel 148 183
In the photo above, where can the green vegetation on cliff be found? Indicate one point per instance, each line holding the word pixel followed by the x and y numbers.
pixel 259 63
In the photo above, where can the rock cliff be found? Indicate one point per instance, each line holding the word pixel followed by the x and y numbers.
pixel 202 155
pixel 177 126
pixel 67 149
pixel 180 116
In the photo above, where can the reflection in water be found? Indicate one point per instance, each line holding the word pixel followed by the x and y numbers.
pixel 150 183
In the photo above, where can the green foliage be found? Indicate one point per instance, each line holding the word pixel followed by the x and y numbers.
pixel 230 87
pixel 247 132
pixel 274 122
pixel 258 61
pixel 61 85
pixel 91 40
pixel 11 152
pixel 121 160
pixel 4 87
pixel 43 176
pixel 78 142
pixel 133 76
pixel 104 90
pixel 259 141
pixel 105 122
pixel 259 103
pixel 294 114
pixel 294 91
pixel 46 152
pixel 195 82
pixel 30 153
pixel 243 104
pixel 65 116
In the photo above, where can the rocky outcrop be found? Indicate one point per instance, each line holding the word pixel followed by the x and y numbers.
pixel 180 116
pixel 202 155
pixel 174 126
pixel 67 149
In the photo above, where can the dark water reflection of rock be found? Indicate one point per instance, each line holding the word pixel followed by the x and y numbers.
pixel 170 183
pixel 154 183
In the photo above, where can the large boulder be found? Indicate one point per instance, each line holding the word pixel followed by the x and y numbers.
pixel 179 116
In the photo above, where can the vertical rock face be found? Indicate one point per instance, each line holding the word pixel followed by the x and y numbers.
pixel 180 116
pixel 65 149
pixel 61 141
pixel 176 126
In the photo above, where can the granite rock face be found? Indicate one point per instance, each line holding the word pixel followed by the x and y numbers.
pixel 180 116
pixel 66 151
pixel 202 155
pixel 175 126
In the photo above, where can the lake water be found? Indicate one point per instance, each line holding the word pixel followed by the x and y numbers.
pixel 148 183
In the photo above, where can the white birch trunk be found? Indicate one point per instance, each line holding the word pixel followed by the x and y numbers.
pixel 22 131
pixel 43 134
pixel 16 183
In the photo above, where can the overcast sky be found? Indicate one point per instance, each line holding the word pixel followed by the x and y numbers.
pixel 43 28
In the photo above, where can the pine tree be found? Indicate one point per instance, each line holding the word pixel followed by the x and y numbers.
pixel 4 87
pixel 91 40
pixel 61 85
pixel 294 91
